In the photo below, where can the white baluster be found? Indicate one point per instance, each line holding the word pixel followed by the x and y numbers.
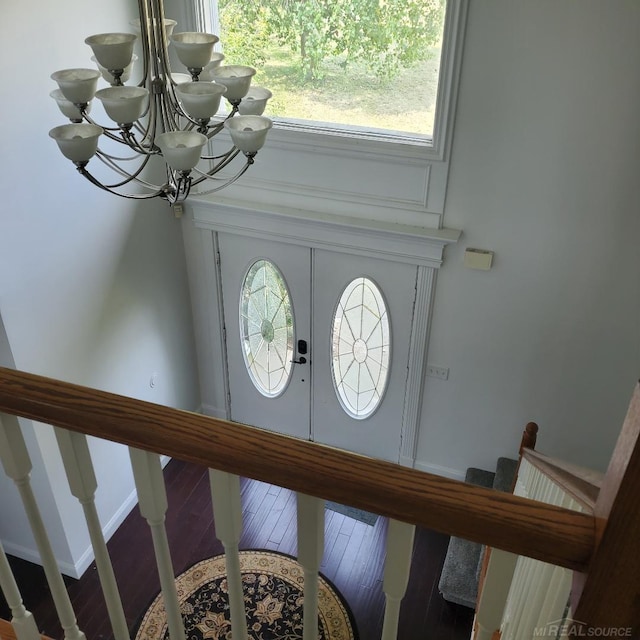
pixel 396 573
pixel 537 586
pixel 17 465
pixel 76 458
pixel 310 550
pixel 514 600
pixel 152 501
pixel 556 598
pixel 227 512
pixel 22 621
pixel 495 589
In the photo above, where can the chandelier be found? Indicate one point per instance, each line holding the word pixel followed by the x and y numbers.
pixel 172 116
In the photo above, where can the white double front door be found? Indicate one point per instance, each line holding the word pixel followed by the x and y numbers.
pixel 291 368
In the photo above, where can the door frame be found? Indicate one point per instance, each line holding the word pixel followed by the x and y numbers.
pixel 422 247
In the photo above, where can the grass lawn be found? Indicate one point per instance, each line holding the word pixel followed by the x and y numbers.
pixel 352 95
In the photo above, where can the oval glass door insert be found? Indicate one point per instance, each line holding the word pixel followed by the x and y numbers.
pixel 360 348
pixel 266 328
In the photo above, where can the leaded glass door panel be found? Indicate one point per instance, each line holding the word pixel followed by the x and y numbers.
pixel 317 342
pixel 266 289
pixel 362 317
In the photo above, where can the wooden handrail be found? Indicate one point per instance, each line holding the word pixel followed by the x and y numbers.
pixel 525 527
pixel 580 483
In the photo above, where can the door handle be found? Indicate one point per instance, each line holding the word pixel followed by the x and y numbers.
pixel 300 360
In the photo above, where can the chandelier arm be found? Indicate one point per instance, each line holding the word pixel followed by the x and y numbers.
pixel 215 129
pixel 204 177
pixel 217 168
pixel 156 37
pixel 152 72
pixel 107 130
pixel 110 188
pixel 224 157
pixel 139 146
pixel 126 138
pixel 168 123
pixel 129 177
pixel 161 39
pixel 173 110
pixel 166 95
pixel 148 132
pixel 143 11
pixel 119 158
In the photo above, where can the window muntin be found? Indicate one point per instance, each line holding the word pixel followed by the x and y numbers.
pixel 266 328
pixel 360 348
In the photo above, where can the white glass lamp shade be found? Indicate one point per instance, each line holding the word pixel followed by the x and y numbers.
pixel 194 48
pixel 200 99
pixel 168 25
pixel 237 79
pixel 126 73
pixel 180 78
pixel 123 105
pixel 254 103
pixel 77 85
pixel 212 65
pixel 248 132
pixel 77 142
pixel 181 149
pixel 112 50
pixel 68 109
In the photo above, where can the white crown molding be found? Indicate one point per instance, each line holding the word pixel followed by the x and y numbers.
pixel 375 238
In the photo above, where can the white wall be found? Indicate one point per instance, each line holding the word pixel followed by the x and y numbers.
pixel 93 288
pixel 544 172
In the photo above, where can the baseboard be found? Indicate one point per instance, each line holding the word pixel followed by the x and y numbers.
pixel 447 472
pixel 111 527
pixel 85 560
pixel 213 412
pixel 32 555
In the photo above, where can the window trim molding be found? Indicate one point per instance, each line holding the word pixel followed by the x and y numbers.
pixel 330 170
pixel 449 76
pixel 204 16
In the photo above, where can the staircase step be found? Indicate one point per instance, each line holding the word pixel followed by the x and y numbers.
pixel 479 477
pixel 505 474
pixel 458 581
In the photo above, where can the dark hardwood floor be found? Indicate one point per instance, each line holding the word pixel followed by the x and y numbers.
pixel 353 561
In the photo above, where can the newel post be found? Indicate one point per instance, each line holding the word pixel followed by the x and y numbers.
pixel 608 596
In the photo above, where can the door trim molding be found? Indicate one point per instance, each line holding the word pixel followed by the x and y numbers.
pixel 416 367
pixel 383 240
pixel 416 246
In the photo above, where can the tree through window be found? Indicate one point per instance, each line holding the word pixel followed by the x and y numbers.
pixel 359 63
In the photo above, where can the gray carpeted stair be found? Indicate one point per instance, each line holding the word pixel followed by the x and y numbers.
pixel 463 562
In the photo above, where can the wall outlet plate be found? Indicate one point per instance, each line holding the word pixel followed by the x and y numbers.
pixel 437 372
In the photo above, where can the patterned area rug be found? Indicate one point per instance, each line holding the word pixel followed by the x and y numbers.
pixel 273 593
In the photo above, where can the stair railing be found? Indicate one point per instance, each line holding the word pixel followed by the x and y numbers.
pixel 520 597
pixel 550 533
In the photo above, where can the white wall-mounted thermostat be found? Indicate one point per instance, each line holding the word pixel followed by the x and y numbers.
pixel 478 259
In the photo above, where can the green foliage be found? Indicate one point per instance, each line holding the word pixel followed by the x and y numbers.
pixel 244 32
pixel 383 34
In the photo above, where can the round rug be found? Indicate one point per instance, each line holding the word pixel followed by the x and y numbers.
pixel 273 586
